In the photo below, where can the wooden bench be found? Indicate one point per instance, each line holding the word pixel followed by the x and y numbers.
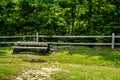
pixel 31 47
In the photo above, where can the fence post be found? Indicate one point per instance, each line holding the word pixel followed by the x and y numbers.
pixel 37 37
pixel 113 40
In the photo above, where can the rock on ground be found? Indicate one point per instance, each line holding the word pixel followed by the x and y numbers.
pixel 42 74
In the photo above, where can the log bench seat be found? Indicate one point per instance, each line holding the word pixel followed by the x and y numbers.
pixel 31 47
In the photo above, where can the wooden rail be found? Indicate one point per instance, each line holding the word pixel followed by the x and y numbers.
pixel 43 36
pixel 112 44
pixel 17 36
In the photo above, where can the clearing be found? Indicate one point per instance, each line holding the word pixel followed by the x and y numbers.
pixel 63 63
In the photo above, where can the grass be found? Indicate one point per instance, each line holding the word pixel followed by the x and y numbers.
pixel 75 62
pixel 83 72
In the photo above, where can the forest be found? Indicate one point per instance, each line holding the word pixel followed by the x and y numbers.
pixel 59 17
pixel 37 58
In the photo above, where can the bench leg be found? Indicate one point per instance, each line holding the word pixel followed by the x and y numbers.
pixel 15 51
pixel 49 45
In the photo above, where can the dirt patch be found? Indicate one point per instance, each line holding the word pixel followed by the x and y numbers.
pixel 42 74
pixel 32 58
pixel 35 60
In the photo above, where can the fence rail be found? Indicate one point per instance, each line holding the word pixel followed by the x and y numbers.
pixel 112 44
pixel 17 36
pixel 42 36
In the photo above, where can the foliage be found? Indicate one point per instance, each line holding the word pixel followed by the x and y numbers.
pixel 59 17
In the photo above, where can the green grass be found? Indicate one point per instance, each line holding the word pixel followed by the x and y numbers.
pixel 75 62
pixel 83 72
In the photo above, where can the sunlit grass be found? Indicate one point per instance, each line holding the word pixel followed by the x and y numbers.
pixel 84 72
pixel 76 62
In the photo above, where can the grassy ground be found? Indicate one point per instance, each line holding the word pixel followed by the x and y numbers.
pixel 74 62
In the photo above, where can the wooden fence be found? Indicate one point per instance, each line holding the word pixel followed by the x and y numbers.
pixel 37 36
